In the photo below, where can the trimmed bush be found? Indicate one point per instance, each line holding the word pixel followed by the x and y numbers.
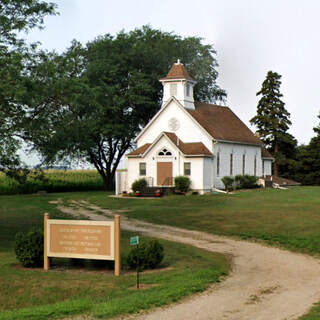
pixel 139 185
pixel 228 182
pixel 28 248
pixel 182 183
pixel 246 181
pixel 150 253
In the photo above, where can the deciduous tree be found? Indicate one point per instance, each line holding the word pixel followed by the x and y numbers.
pixel 92 100
pixel 16 17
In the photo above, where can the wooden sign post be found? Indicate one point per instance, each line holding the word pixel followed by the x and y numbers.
pixel 82 239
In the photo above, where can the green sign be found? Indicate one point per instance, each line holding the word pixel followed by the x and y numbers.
pixel 134 241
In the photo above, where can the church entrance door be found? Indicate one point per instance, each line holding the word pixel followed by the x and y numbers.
pixel 164 174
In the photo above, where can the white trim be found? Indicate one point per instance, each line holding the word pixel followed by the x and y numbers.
pixel 238 142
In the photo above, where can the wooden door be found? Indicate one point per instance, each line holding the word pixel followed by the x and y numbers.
pixel 164 174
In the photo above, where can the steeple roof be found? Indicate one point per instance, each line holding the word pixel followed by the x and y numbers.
pixel 178 71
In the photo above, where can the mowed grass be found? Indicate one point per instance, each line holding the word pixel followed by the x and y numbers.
pixel 53 181
pixel 290 218
pixel 34 294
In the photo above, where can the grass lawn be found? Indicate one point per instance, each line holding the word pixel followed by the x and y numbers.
pixel 290 218
pixel 34 294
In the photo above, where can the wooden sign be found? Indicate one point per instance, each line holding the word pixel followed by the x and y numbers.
pixel 82 239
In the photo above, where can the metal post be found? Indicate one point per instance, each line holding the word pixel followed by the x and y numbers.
pixel 138 266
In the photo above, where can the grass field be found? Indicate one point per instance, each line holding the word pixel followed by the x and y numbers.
pixel 287 218
pixel 290 218
pixel 53 181
pixel 34 294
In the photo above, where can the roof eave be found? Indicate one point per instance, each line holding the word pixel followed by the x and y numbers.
pixel 198 155
pixel 239 142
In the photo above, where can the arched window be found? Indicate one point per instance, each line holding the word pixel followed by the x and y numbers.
pixel 165 152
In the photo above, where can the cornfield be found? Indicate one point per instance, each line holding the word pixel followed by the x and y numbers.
pixel 54 181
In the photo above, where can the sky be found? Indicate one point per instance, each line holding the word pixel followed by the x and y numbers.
pixel 251 37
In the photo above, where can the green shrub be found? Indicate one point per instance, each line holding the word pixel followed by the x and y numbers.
pixel 139 185
pixel 228 182
pixel 246 181
pixel 28 248
pixel 150 254
pixel 182 183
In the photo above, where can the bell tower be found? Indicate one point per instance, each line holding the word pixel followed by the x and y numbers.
pixel 179 84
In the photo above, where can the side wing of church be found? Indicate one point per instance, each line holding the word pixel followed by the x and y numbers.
pixel 202 141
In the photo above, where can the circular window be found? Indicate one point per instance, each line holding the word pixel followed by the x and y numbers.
pixel 173 124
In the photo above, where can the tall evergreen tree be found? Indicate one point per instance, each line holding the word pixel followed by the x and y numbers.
pixel 272 119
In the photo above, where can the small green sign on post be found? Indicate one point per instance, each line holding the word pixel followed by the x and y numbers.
pixel 134 241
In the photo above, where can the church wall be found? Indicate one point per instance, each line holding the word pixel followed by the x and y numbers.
pixel 188 130
pixel 267 167
pixel 208 173
pixel 177 159
pixel 196 176
pixel 238 150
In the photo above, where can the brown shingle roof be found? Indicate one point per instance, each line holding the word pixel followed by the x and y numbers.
pixel 222 124
pixel 140 151
pixel 265 153
pixel 285 182
pixel 190 148
pixel 178 71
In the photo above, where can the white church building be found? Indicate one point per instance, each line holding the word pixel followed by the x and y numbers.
pixel 187 138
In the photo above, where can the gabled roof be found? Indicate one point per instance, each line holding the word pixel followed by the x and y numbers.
pixel 140 151
pixel 222 124
pixel 188 149
pixel 265 154
pixel 178 71
pixel 162 110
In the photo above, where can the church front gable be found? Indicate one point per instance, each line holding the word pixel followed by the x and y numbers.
pixel 173 118
pixel 162 162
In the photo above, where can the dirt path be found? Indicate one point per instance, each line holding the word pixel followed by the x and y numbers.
pixel 265 283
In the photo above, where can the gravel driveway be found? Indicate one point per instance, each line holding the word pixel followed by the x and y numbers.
pixel 265 283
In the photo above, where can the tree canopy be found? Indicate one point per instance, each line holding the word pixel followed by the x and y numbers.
pixel 16 16
pixel 92 100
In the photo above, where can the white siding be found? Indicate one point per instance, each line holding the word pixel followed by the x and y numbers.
pixel 267 167
pixel 151 159
pixel 208 173
pixel 238 150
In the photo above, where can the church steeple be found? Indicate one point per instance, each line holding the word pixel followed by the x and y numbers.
pixel 178 83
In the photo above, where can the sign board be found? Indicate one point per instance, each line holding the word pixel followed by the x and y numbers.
pixel 134 241
pixel 82 239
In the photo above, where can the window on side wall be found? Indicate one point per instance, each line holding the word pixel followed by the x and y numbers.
pixel 262 167
pixel 173 89
pixel 188 87
pixel 255 166
pixel 187 168
pixel 243 164
pixel 218 164
pixel 231 164
pixel 142 168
